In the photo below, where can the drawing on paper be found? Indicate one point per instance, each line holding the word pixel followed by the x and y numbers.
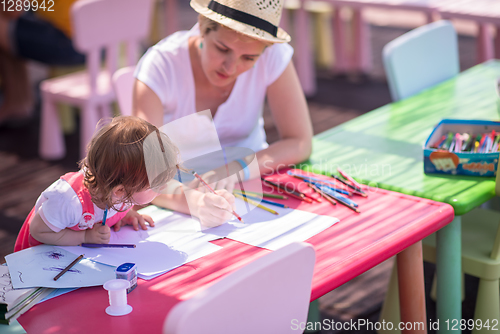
pixel 53 255
pixel 5 286
pixel 72 270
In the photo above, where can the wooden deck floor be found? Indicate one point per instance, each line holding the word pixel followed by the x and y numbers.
pixel 23 176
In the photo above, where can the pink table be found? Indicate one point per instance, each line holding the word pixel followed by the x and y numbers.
pixel 389 223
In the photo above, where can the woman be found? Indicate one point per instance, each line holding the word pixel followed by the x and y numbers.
pixel 230 62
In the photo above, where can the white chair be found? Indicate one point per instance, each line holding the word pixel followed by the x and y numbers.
pixel 421 58
pixel 123 84
pixel 97 25
pixel 263 297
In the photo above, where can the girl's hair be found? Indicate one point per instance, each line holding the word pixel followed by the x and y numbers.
pixel 130 152
pixel 207 25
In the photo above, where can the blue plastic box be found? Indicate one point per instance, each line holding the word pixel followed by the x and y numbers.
pixel 460 163
pixel 128 271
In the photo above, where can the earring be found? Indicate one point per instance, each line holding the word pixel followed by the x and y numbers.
pixel 201 45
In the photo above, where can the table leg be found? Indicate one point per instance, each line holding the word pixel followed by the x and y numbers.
pixel 497 42
pixel 340 44
pixel 303 52
pixel 449 275
pixel 362 43
pixel 485 49
pixel 171 15
pixel 412 289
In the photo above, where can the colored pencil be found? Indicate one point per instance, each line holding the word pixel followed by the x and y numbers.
pixel 312 186
pixel 259 194
pixel 343 192
pixel 105 215
pixel 310 179
pixel 348 178
pixel 306 179
pixel 356 191
pixel 246 199
pixel 108 245
pixel 336 195
pixel 213 192
pixel 289 192
pixel 68 267
pixel 262 200
pixel 341 199
pixel 346 204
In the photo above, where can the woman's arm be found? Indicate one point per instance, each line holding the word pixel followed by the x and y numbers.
pixel 291 117
pixel 212 210
pixel 146 104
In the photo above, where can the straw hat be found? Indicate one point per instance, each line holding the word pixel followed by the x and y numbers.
pixel 255 18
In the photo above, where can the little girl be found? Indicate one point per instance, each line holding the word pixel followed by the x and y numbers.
pixel 81 206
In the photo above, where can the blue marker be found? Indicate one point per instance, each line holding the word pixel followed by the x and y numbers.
pixel 329 191
pixel 332 188
pixel 104 217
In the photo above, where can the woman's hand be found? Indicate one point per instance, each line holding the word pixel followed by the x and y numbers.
pixel 98 234
pixel 135 219
pixel 212 209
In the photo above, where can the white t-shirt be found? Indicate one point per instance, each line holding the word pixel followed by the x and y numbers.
pixel 166 69
pixel 60 208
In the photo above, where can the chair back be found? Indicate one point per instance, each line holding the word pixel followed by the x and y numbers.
pixel 421 58
pixel 106 24
pixel 123 84
pixel 495 252
pixel 266 296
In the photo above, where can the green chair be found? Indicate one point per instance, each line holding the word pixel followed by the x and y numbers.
pixel 480 258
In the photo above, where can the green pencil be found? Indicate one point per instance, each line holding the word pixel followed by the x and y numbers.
pixel 263 194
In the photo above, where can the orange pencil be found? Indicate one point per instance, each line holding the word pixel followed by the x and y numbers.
pixel 321 194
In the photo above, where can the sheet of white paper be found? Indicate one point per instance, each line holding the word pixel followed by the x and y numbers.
pixel 266 230
pixel 175 240
pixel 37 266
pixel 56 293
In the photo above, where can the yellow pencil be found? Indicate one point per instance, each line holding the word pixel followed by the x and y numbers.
pixel 256 204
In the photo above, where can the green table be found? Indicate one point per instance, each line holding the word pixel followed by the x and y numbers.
pixel 383 148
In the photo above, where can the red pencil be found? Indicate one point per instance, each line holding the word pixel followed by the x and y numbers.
pixel 354 183
pixel 290 192
pixel 213 192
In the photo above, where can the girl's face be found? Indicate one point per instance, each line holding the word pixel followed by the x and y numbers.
pixel 225 54
pixel 144 197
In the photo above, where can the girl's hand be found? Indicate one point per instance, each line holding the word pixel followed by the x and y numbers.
pixel 98 234
pixel 135 219
pixel 215 209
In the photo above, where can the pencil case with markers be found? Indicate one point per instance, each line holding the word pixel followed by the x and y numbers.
pixel 463 147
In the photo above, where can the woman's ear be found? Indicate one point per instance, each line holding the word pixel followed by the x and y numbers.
pixel 118 192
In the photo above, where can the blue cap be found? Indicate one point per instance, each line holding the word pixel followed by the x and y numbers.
pixel 125 267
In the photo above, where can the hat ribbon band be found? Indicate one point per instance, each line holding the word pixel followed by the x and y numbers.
pixel 243 17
